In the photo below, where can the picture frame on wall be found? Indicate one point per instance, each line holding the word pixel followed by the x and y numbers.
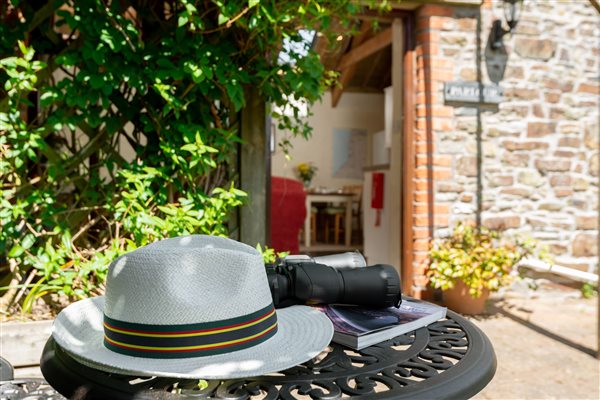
pixel 349 153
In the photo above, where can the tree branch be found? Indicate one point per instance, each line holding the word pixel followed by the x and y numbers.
pixel 228 24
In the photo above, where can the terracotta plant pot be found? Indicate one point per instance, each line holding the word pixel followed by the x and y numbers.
pixel 459 300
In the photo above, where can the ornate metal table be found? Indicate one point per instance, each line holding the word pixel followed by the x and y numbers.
pixel 450 358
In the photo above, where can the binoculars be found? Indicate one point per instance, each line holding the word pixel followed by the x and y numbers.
pixel 336 279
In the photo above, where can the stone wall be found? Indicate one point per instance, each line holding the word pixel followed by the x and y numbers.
pixel 529 165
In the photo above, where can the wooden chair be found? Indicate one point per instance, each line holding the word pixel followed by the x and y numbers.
pixel 337 214
pixel 313 225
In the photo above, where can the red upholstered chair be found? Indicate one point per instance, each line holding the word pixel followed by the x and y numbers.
pixel 288 210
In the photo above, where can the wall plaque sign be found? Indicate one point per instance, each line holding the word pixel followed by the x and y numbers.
pixel 471 92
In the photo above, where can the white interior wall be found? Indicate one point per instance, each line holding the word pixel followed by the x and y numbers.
pixel 354 111
pixel 376 237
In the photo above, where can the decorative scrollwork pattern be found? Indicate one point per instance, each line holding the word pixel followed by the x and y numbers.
pixel 405 360
pixel 450 358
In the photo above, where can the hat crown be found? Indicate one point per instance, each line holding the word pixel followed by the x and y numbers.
pixel 187 280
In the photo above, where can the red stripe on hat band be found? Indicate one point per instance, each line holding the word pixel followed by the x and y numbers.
pixel 190 340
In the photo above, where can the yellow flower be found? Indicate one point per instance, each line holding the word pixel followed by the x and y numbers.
pixel 306 171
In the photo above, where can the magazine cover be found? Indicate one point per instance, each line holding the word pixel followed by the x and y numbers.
pixel 358 321
pixel 370 325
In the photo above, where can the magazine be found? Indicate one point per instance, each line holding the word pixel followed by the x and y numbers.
pixel 360 327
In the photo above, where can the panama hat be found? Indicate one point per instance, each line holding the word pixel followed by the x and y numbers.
pixel 190 307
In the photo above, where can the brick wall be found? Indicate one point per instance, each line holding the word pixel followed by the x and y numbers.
pixel 530 165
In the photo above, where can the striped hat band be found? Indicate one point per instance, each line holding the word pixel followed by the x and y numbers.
pixel 190 340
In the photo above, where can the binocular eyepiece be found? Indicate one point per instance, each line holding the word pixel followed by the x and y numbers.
pixel 337 279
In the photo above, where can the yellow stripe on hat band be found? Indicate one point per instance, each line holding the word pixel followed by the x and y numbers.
pixel 190 340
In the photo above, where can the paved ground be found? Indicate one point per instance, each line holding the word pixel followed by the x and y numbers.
pixel 544 341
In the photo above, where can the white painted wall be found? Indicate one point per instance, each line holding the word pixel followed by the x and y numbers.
pixel 376 238
pixel 354 111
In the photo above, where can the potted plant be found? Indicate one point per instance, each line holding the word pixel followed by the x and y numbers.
pixel 472 262
pixel 306 172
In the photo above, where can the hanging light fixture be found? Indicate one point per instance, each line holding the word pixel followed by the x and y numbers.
pixel 512 13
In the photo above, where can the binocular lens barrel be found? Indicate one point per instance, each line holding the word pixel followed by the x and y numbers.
pixel 350 259
pixel 309 282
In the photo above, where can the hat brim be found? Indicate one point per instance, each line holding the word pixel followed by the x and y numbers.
pixel 302 334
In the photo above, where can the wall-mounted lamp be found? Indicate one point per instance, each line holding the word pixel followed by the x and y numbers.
pixel 512 13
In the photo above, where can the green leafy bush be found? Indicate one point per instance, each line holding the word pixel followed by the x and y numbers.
pixel 269 254
pixel 166 80
pixel 481 258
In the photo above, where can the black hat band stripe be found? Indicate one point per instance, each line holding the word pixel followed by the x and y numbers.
pixel 190 340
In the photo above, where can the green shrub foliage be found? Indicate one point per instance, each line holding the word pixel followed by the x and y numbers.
pixel 84 80
pixel 481 258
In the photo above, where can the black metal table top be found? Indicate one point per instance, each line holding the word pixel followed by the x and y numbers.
pixel 450 358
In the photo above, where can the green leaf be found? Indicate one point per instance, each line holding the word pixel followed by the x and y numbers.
pixel 66 240
pixel 182 20
pixel 96 81
pixel 165 63
pixel 252 3
pixel 28 241
pixel 48 98
pixel 236 95
pixel 190 8
pixel 27 51
pixel 67 59
pixel 15 251
pixel 10 62
pixel 168 210
pixel 223 19
pixel 108 38
pixel 192 148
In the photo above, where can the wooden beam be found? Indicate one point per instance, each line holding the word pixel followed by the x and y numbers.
pixel 348 73
pixel 371 46
pixel 338 89
pixel 394 184
pixel 363 89
pixel 385 17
